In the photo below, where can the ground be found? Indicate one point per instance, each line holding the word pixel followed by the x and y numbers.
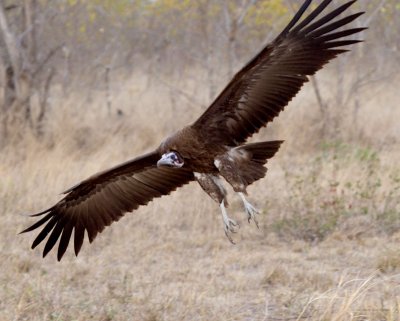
pixel 327 247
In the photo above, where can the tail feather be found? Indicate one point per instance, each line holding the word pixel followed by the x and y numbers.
pixel 259 154
pixel 263 150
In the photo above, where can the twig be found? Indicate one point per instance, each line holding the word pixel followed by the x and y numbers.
pixel 43 102
pixel 190 98
pixel 46 59
pixel 322 105
pixel 108 89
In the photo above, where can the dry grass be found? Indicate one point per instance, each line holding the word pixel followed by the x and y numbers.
pixel 327 248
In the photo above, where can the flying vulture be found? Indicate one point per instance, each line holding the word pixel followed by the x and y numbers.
pixel 214 146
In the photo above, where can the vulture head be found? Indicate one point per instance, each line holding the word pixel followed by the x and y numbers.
pixel 171 159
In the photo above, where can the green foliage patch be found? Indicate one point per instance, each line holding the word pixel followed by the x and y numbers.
pixel 341 183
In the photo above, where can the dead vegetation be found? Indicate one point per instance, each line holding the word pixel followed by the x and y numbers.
pixel 327 247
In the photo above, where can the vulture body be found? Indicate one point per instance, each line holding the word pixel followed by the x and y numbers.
pixel 214 145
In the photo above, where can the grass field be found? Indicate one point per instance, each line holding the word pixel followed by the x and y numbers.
pixel 327 247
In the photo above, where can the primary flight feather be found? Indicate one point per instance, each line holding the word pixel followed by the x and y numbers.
pixel 214 145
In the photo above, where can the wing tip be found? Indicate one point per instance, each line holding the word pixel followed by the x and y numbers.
pixel 77 249
pixel 295 18
pixel 59 256
pixel 37 223
pixel 42 212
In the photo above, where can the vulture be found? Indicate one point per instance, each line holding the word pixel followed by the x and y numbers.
pixel 214 146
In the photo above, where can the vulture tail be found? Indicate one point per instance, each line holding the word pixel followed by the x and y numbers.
pixel 260 153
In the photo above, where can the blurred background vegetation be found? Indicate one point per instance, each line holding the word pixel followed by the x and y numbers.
pixel 51 50
pixel 87 84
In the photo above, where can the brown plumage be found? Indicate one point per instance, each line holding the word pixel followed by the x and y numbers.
pixel 213 145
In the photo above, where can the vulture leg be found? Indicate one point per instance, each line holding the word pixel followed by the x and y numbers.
pixel 229 224
pixel 212 185
pixel 239 170
pixel 250 209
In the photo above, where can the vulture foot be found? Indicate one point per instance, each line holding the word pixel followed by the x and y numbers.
pixel 250 210
pixel 230 225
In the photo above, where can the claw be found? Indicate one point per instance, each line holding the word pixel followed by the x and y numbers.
pixel 229 238
pixel 251 211
pixel 230 225
pixel 255 221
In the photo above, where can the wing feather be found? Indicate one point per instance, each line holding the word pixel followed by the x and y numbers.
pixel 312 16
pixel 65 237
pixel 325 19
pixel 104 198
pixel 55 234
pixel 41 236
pixel 79 236
pixel 261 90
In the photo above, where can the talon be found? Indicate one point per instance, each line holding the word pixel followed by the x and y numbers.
pixel 256 222
pixel 251 211
pixel 229 224
pixel 235 224
pixel 253 217
pixel 229 238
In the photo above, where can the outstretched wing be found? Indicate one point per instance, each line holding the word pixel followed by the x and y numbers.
pixel 104 198
pixel 261 90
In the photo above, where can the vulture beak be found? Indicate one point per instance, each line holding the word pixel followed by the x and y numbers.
pixel 171 159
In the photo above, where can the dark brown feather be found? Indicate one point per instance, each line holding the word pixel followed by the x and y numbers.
pixel 261 90
pixel 98 201
pixel 79 236
pixel 325 19
pixel 259 152
pixel 312 16
pixel 65 237
pixel 55 234
pixel 49 226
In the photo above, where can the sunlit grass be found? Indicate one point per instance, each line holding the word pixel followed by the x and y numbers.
pixel 326 248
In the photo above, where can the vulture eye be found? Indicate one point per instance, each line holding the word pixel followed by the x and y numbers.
pixel 171 159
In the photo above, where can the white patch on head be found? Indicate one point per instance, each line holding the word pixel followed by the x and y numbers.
pixel 171 159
